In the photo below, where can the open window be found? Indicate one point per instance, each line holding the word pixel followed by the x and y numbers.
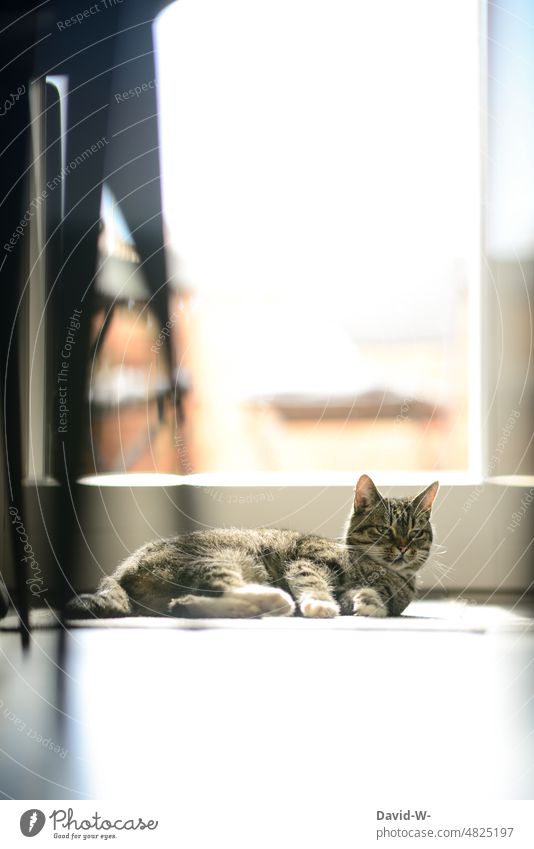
pixel 324 215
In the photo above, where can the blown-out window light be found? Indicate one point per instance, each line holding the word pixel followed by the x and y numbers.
pixel 321 192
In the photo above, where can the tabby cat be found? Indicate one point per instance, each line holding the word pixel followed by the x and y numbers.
pixel 271 572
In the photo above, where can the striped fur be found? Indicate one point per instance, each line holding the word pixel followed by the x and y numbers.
pixel 271 572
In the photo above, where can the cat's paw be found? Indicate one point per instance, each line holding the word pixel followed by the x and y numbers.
pixel 315 608
pixel 248 602
pixel 367 602
pixel 375 610
pixel 269 601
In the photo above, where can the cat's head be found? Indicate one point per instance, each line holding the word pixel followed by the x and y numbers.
pixel 395 532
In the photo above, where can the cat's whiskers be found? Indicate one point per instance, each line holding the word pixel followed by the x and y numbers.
pixel 444 570
pixel 439 572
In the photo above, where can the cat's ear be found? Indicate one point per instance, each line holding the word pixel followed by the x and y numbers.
pixel 366 495
pixel 425 499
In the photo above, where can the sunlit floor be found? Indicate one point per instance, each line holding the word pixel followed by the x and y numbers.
pixel 288 710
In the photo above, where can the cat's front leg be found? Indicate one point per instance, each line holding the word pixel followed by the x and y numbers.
pixel 311 588
pixel 363 601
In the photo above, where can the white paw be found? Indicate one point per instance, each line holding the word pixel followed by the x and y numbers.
pixel 317 609
pixel 361 609
pixel 367 602
pixel 233 607
pixel 268 601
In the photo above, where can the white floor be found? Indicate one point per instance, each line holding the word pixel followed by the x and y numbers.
pixel 314 714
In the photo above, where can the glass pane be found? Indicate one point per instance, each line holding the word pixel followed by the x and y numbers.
pixel 322 202
pixel 131 394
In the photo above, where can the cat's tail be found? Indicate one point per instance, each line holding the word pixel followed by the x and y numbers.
pixel 109 600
